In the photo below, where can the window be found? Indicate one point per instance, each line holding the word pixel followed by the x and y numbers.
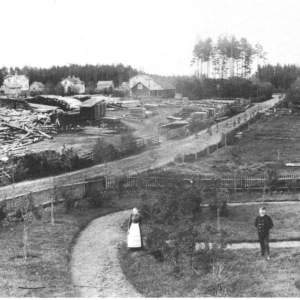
pixel 140 86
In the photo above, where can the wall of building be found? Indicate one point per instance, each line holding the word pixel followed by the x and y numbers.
pixel 135 91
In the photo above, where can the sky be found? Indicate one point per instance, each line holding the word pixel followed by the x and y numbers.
pixel 156 36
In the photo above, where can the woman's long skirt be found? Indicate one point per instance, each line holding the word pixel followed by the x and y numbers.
pixel 134 236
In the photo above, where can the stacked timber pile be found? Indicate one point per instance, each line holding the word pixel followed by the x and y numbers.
pixel 137 112
pixel 18 129
pixel 65 103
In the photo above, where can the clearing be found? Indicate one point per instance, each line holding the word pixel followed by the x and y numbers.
pixel 268 140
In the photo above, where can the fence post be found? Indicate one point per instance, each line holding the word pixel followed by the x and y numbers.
pixel 218 219
pixel 234 181
pixel 207 149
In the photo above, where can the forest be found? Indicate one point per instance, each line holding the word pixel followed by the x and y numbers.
pixel 227 57
pixel 90 74
pixel 223 70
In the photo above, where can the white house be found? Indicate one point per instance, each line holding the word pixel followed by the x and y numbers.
pixel 20 80
pixel 74 84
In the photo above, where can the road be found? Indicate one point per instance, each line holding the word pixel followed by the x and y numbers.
pixel 157 157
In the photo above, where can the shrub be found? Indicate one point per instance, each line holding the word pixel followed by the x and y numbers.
pixel 69 201
pixel 2 213
pixel 272 178
pixel 220 281
pixel 219 198
pixel 157 244
pixel 145 206
pixel 98 198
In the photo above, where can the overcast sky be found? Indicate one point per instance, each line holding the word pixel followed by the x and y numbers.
pixel 157 36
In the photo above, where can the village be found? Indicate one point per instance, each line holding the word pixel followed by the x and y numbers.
pixel 149 149
pixel 150 107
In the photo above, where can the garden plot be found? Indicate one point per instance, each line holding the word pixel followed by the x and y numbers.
pixel 268 140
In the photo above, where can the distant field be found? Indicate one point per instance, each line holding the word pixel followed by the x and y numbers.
pixel 257 149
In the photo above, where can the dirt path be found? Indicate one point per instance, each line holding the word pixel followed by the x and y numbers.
pixel 95 267
pixel 165 153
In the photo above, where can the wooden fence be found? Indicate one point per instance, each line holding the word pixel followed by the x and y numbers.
pixel 81 190
pixel 233 182
pixel 178 132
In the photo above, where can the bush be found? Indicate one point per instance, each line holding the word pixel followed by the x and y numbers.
pixel 145 206
pixel 220 281
pixel 98 198
pixel 2 213
pixel 69 201
pixel 157 244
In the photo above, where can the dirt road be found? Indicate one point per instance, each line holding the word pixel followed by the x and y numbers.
pixel 165 153
pixel 95 267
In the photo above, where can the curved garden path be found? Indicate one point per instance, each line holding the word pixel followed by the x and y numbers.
pixel 95 267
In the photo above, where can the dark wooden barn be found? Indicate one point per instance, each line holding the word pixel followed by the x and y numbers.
pixel 93 109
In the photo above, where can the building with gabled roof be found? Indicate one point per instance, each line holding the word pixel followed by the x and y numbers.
pixel 13 81
pixel 73 84
pixel 11 89
pixel 37 87
pixel 105 85
pixel 146 86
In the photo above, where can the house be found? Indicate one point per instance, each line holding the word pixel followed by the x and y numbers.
pixel 73 84
pixel 37 87
pixel 107 86
pixel 11 89
pixel 15 84
pixel 146 86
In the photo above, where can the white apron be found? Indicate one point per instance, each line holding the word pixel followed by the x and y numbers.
pixel 134 236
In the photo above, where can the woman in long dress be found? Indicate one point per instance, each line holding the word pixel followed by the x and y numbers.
pixel 134 236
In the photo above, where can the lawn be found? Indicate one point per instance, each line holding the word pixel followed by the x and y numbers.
pixel 238 273
pixel 244 274
pixel 46 273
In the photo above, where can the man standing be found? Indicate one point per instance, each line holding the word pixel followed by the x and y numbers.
pixel 263 223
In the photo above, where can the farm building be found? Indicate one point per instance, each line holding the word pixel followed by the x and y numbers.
pixel 93 109
pixel 145 86
pixel 37 87
pixel 10 89
pixel 105 86
pixel 74 84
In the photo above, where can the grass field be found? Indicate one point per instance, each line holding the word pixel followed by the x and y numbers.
pixel 257 149
pixel 244 274
pixel 46 273
pixel 240 273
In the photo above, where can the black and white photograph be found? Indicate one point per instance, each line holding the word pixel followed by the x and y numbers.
pixel 149 149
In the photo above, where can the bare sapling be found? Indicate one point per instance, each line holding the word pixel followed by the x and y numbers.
pixel 29 214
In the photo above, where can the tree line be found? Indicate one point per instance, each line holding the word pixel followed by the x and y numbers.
pixel 90 74
pixel 227 57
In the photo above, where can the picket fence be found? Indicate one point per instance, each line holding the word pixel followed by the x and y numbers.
pixel 82 190
pixel 233 181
